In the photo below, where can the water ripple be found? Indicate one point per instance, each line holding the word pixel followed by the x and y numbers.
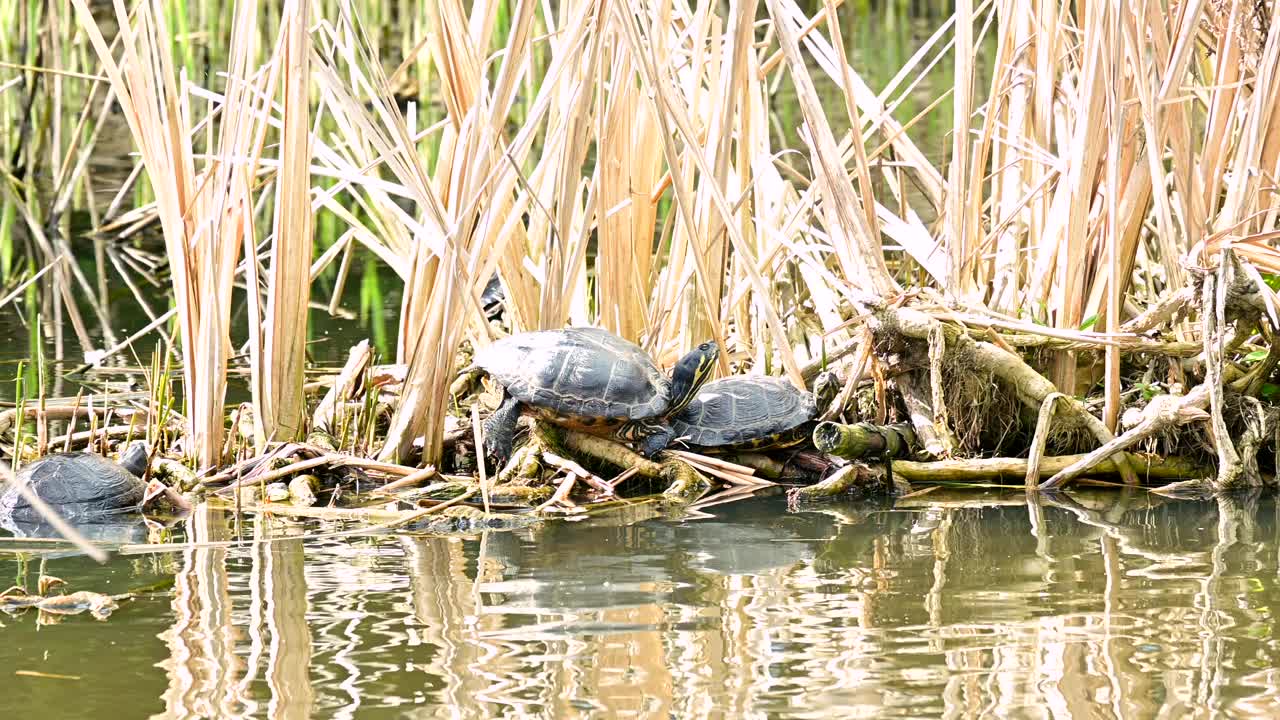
pixel 1113 608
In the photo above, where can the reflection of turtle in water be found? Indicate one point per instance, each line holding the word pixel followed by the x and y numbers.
pixel 753 412
pixel 80 485
pixel 467 520
pixel 590 379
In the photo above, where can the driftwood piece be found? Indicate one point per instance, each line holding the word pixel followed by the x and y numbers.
pixel 1040 439
pixel 941 418
pixel 978 470
pixel 934 440
pixel 1162 413
pixel 1161 312
pixel 854 476
pixel 685 483
pixel 345 387
pixel 1213 300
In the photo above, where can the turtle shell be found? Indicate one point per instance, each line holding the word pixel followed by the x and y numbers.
pixel 745 410
pixel 77 484
pixel 584 373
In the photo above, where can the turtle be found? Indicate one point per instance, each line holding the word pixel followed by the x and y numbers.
pixel 588 379
pixel 753 412
pixel 80 485
pixel 493 298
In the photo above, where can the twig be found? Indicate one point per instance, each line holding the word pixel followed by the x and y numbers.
pixel 561 495
pixel 573 468
pixel 1163 412
pixel 1040 439
pixel 412 480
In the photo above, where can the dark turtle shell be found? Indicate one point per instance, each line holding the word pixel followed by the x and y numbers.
pixel 747 410
pixel 585 373
pixel 77 485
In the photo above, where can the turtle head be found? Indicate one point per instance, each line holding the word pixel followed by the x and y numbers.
pixel 825 389
pixel 134 458
pixel 690 373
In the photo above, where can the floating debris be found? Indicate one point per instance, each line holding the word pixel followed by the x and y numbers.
pixel 17 600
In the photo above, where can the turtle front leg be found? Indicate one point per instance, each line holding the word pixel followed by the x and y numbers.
pixel 656 440
pixel 500 430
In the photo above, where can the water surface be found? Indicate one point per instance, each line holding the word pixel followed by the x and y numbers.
pixel 1101 606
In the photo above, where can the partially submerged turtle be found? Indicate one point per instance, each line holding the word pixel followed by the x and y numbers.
pixel 589 379
pixel 753 412
pixel 80 484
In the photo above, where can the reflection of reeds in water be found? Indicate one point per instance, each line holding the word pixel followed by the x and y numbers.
pixel 289 661
pixel 869 617
pixel 210 674
pixel 203 668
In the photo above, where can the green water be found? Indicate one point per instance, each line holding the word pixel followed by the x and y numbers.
pixel 1105 606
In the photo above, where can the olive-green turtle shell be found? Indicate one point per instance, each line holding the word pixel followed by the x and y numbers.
pixel 78 484
pixel 747 410
pixel 585 373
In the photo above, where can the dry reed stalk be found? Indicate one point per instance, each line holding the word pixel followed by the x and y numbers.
pixel 1114 285
pixel 564 200
pixel 871 106
pixel 962 231
pixel 528 254
pixel 627 169
pixel 204 214
pixel 279 343
pixel 447 251
pixel 1007 117
pixel 675 121
pixel 843 214
pixel 716 101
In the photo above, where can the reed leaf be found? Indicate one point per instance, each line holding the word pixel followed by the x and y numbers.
pixel 278 366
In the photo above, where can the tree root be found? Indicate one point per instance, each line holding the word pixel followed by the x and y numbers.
pixel 1162 413
pixel 684 483
pixel 1030 387
pixel 935 440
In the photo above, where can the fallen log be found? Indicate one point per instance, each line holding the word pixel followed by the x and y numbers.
pixel 863 440
pixel 1149 467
